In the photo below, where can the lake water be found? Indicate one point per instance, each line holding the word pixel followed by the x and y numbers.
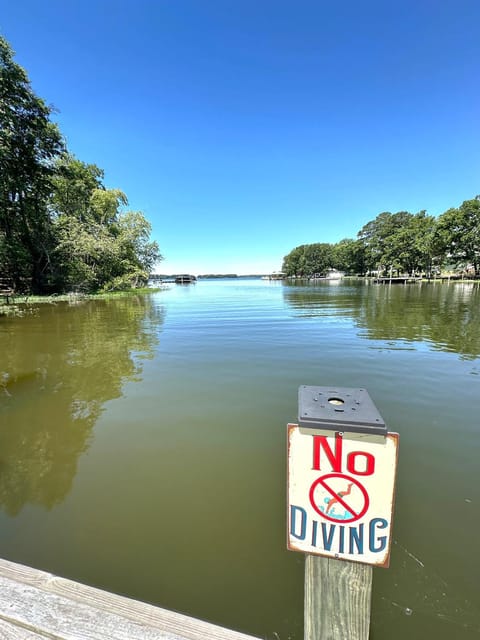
pixel 142 444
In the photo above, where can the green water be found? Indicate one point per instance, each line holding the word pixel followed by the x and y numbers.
pixel 142 444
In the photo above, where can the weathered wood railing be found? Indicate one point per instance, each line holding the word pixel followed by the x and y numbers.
pixel 36 605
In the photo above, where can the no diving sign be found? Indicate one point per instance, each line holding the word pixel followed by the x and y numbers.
pixel 341 490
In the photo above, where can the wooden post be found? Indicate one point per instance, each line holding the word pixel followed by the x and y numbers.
pixel 337 599
pixel 341 485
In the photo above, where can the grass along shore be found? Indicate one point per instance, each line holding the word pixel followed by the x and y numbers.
pixel 21 304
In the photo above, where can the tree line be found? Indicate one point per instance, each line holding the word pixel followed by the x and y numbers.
pixel 398 243
pixel 60 227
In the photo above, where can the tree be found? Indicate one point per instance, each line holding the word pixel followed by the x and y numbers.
pixel 459 234
pixel 318 258
pixel 308 259
pixel 138 254
pixel 73 184
pixel 98 245
pixel 425 251
pixel 378 237
pixel 29 144
pixel 59 226
pixel 349 256
pixel 294 262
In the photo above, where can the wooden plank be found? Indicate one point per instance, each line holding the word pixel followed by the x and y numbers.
pixel 59 608
pixel 337 599
pixel 9 631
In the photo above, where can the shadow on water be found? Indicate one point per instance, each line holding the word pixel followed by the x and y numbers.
pixel 59 365
pixel 446 316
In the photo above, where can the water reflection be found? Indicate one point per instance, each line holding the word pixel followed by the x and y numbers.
pixel 324 299
pixel 447 316
pixel 58 367
pixel 185 475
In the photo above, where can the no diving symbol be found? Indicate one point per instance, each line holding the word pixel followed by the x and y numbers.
pixel 339 498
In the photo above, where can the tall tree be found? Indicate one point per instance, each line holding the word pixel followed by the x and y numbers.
pixel 378 236
pixel 426 254
pixel 98 244
pixel 138 254
pixel 318 258
pixel 349 256
pixel 74 182
pixel 459 233
pixel 309 259
pixel 294 262
pixel 29 144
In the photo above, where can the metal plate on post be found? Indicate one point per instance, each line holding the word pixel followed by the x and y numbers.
pixel 339 409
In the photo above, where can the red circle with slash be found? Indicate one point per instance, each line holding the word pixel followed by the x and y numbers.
pixel 338 498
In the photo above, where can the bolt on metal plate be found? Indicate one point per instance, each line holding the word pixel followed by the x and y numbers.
pixel 339 409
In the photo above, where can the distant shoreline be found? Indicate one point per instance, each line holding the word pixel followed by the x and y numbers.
pixel 207 276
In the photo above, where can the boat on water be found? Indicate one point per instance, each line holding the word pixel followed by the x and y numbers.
pixel 185 278
pixel 277 275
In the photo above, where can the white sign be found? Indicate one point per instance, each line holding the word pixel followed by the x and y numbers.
pixel 341 489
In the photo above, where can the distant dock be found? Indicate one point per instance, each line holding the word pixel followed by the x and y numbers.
pixel 398 280
pixel 183 278
pixel 35 605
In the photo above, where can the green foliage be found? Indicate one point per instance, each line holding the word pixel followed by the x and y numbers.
pixel 104 205
pixel 315 259
pixel 60 228
pixel 398 243
pixel 309 259
pixel 29 144
pixel 459 234
pixel 100 247
pixel 378 238
pixel 349 256
pixel 294 263
pixel 73 185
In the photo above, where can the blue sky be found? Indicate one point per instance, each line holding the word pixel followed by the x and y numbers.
pixel 245 128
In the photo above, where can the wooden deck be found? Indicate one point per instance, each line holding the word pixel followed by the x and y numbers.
pixel 36 605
